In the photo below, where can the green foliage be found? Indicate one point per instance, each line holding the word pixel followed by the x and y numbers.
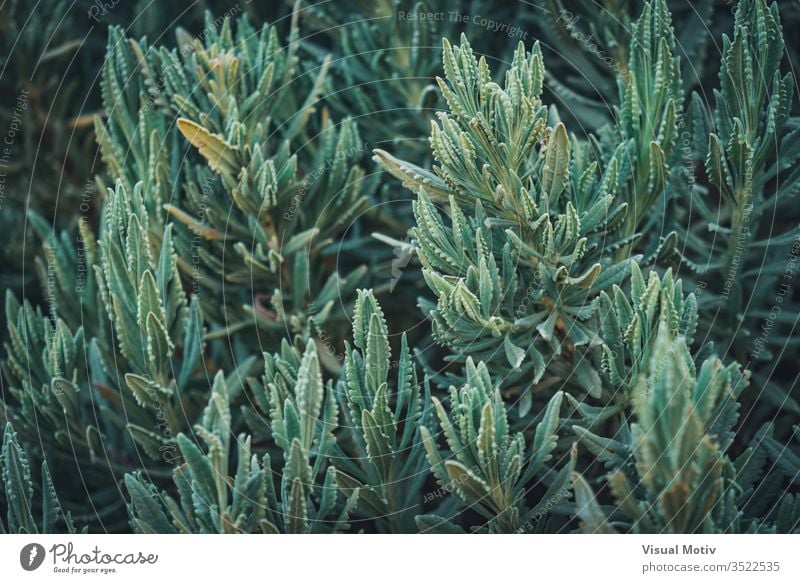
pixel 377 452
pixel 267 183
pixel 38 115
pixel 388 77
pixel 303 417
pixel 17 491
pixel 671 470
pixel 50 53
pixel 603 264
pixel 742 231
pixel 678 477
pixel 102 402
pixel 651 98
pixel 383 454
pixel 629 328
pixel 491 468
pixel 155 331
pixel 592 48
pixel 47 366
pixel 247 501
pixel 514 282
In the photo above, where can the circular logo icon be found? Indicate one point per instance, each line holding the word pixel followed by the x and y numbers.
pixel 31 556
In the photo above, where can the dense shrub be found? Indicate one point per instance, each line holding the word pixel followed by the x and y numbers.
pixel 330 273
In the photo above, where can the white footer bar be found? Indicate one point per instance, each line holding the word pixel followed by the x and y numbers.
pixel 446 558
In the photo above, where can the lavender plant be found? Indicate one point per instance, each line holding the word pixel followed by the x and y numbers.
pixel 594 320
